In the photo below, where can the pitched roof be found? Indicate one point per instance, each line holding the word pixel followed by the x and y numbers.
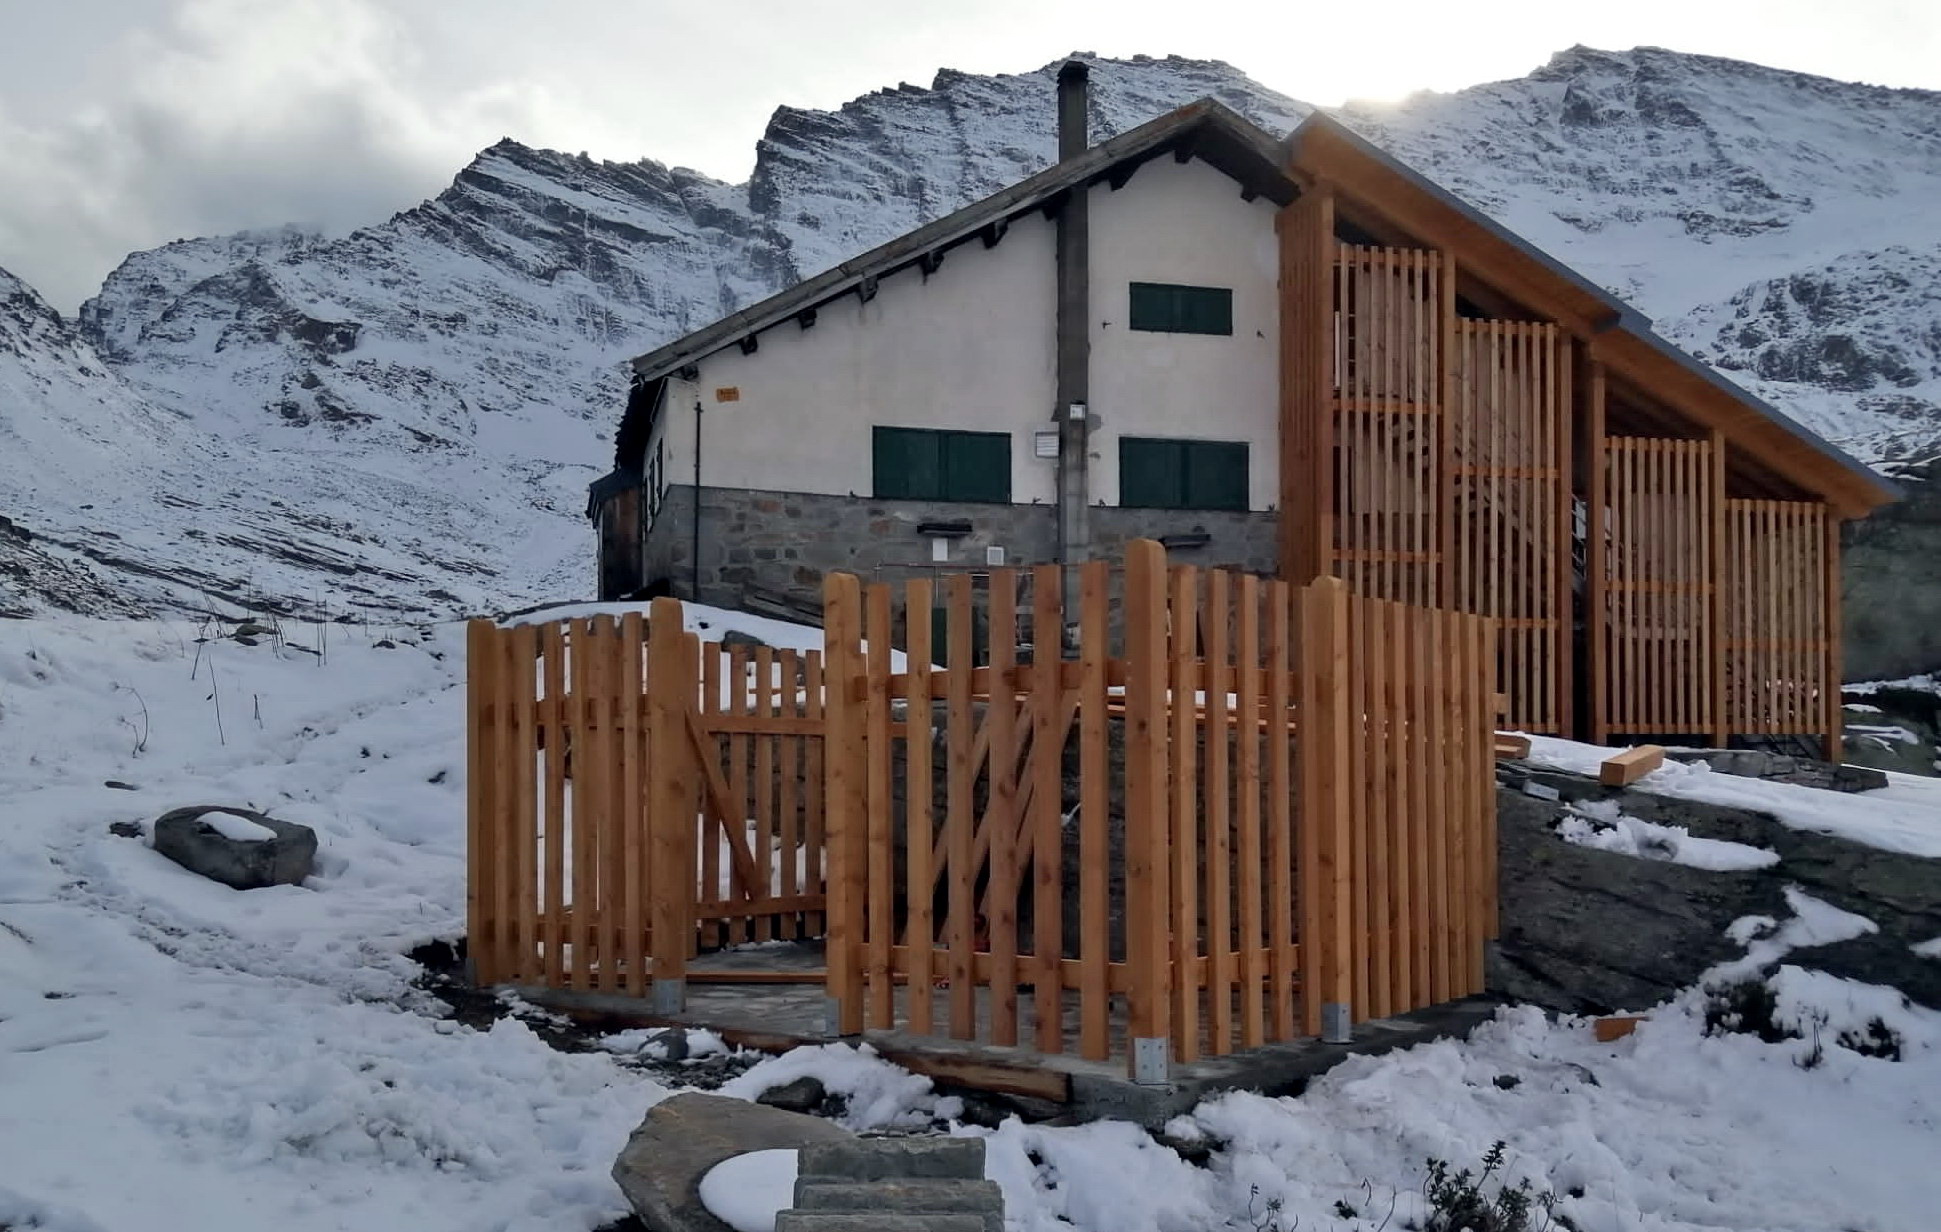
pixel 1621 335
pixel 1208 129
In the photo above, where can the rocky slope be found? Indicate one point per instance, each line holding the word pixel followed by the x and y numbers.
pixel 404 419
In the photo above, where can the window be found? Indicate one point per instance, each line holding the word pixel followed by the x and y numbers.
pixel 938 464
pixel 1163 308
pixel 1165 473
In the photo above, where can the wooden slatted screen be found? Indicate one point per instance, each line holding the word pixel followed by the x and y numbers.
pixel 1776 629
pixel 1509 524
pixel 1661 498
pixel 1388 411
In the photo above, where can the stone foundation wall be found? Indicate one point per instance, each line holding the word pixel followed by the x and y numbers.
pixel 776 546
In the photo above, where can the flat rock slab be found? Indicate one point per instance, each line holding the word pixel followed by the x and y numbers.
pixel 894 1159
pixel 190 838
pixel 661 1167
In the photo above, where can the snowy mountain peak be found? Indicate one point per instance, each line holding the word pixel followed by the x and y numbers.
pixel 404 419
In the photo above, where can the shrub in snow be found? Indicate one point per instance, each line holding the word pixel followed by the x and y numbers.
pixel 1466 1201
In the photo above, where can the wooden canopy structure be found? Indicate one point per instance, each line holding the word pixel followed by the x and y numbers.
pixel 1466 423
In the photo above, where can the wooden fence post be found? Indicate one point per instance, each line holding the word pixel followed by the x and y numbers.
pixel 670 811
pixel 1325 843
pixel 845 756
pixel 1146 805
pixel 482 857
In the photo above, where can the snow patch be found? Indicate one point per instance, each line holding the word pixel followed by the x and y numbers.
pixel 236 827
pixel 879 1095
pixel 746 1192
pixel 1600 824
pixel 1902 818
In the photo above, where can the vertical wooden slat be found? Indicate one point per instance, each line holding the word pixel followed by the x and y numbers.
pixel 634 815
pixel 788 835
pixel 481 746
pixel 1326 857
pixel 525 815
pixel 552 652
pixel 845 787
pixel 1184 799
pixel 763 840
pixel 585 768
pixel 1002 720
pixel 505 831
pixel 740 748
pixel 813 804
pixel 618 813
pixel 1094 803
pixel 958 820
pixel 1219 905
pixel 1146 795
pixel 1830 667
pixel 1373 832
pixel 1282 784
pixel 920 834
pixel 710 838
pixel 1253 728
pixel 671 793
pixel 1047 833
pixel 1427 798
pixel 879 879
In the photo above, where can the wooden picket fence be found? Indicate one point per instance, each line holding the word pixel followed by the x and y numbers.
pixel 1202 812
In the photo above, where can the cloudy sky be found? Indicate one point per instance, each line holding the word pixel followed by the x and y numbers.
pixel 127 123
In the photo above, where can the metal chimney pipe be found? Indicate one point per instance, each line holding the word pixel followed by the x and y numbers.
pixel 1072 411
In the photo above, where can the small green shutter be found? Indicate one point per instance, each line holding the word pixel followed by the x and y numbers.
pixel 1216 475
pixel 977 466
pixel 1149 473
pixel 906 464
pixel 1159 307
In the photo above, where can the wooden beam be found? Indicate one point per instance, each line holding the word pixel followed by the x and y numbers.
pixel 1510 746
pixel 1626 768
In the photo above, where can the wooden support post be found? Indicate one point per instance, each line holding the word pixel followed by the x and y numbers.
pixel 845 755
pixel 1597 504
pixel 481 645
pixel 1714 667
pixel 1834 636
pixel 1306 230
pixel 1326 842
pixel 1146 799
pixel 670 811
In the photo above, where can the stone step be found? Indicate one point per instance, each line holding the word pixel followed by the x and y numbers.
pixel 878 1159
pixel 876 1221
pixel 919 1197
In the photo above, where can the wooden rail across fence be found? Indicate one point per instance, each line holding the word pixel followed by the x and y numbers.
pixel 1223 811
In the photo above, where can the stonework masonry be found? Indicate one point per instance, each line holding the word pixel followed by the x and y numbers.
pixel 773 548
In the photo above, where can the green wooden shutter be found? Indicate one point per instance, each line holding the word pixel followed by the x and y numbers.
pixel 1152 307
pixel 1149 473
pixel 906 464
pixel 1204 310
pixel 977 466
pixel 1160 307
pixel 1215 475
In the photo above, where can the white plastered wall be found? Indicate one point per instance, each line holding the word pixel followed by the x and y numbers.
pixel 972 347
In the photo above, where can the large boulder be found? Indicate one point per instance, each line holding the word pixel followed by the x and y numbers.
pixel 661 1167
pixel 242 848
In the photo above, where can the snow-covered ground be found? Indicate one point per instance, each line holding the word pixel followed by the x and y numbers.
pixel 175 1054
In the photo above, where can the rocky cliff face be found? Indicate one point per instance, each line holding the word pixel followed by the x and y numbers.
pixel 406 417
